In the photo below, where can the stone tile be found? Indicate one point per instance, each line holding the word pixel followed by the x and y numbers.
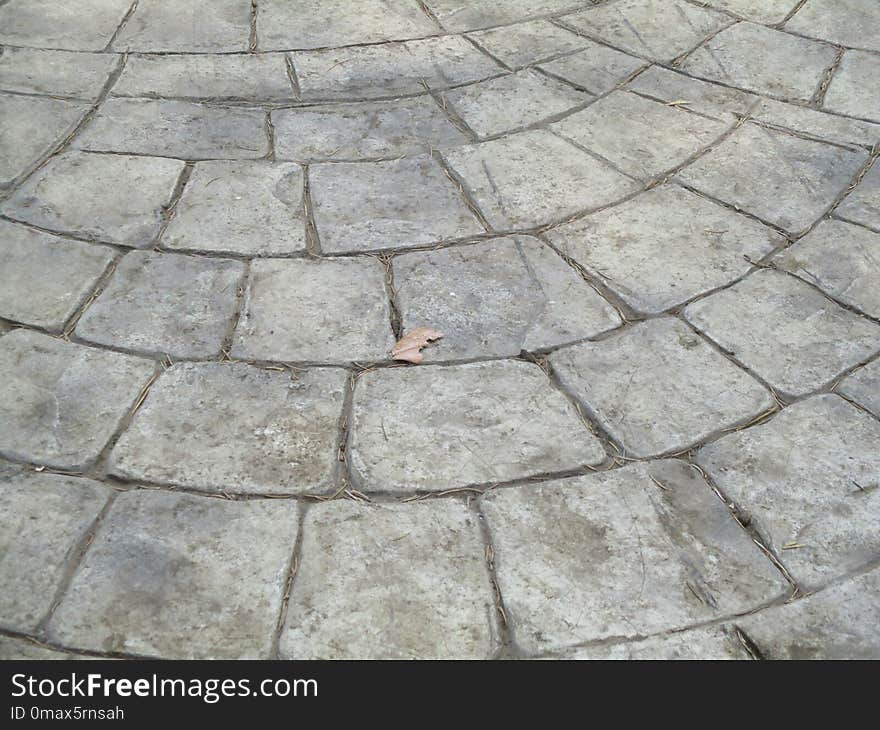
pixel 534 177
pixel 523 44
pixel 176 129
pixel 22 649
pixel 60 73
pixel 436 428
pixel 785 180
pixel 665 247
pixel 760 11
pixel 497 298
pixel 115 198
pixel 713 644
pixel 855 87
pixel 181 577
pixel 230 427
pixel 165 304
pixel 390 70
pixel 843 260
pixel 761 59
pixel 614 555
pixel 656 29
pixel 596 69
pixel 391 582
pixel 815 123
pixel 794 479
pixel 365 206
pixel 332 310
pixel 851 23
pixel 862 205
pixel 253 208
pixel 45 278
pixel 508 102
pixel 457 16
pixel 658 388
pixel 200 76
pixel 863 386
pixel 638 135
pixel 59 402
pixel 363 131
pixel 78 25
pixel 45 518
pixel 786 331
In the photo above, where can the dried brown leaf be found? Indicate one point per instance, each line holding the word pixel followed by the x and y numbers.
pixel 408 348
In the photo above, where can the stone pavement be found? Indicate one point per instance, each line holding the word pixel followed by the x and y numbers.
pixel 649 229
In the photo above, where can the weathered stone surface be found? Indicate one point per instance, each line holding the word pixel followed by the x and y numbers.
pixel 596 69
pixel 819 124
pixel 248 207
pixel 60 403
pixel 391 582
pixel 43 278
pixel 164 303
pixel 18 649
pixel 456 16
pixel 79 25
pixel 863 204
pixel 665 246
pixel 863 386
pixel 703 97
pixel 181 577
pixel 807 480
pixel 367 206
pixel 45 516
pixel 713 643
pixel 320 311
pixel 535 177
pixel 614 555
pixel 855 87
pixel 61 73
pixel 657 387
pixel 786 331
pixel 761 11
pixel 440 427
pixel 114 198
pixel 230 427
pixel 847 22
pixel 525 43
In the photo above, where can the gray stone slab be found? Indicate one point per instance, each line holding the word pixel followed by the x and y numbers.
pixel 60 403
pixel 497 298
pixel 596 69
pixel 850 23
pixel 862 205
pixel 367 206
pixel 855 87
pixel 391 582
pixel 165 304
pixel 248 207
pixel 23 649
pixel 526 43
pixel 534 177
pixel 181 577
pixel 457 16
pixel 60 73
pixel 816 123
pixel 784 330
pixel 440 427
pixel 795 480
pixel 304 310
pixel 710 644
pixel 230 427
pixel 79 25
pixel 614 555
pixel 761 11
pixel 665 247
pixel 658 388
pixel 45 518
pixel 46 278
pixel 863 386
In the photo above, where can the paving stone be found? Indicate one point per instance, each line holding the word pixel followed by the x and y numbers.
pixel 363 131
pixel 665 246
pixel 78 25
pixel 534 177
pixel 391 582
pixel 863 204
pixel 497 298
pixel 714 643
pixel 863 386
pixel 254 208
pixel 703 97
pixel 817 124
pixel 843 260
pixel 60 73
pixel 795 480
pixel 181 577
pixel 851 23
pixel 45 518
pixel 364 206
pixel 517 100
pixel 333 310
pixel 165 303
pixel 114 198
pixel 785 180
pixel 761 11
pixel 437 428
pixel 45 278
pixel 658 388
pixel 59 402
pixel 855 87
pixel 456 16
pixel 614 555
pixel 596 69
pixel 523 44
pixel 230 427
pixel 176 129
pixel 638 135
pixel 786 331
pixel 761 59
pixel 18 649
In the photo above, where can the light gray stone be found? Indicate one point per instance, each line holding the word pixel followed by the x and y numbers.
pixel 78 25
pixel 457 16
pixel 815 123
pixel 862 205
pixel 23 649
pixel 333 310
pixel 181 577
pixel 785 331
pixel 614 555
pixel 526 43
pixel 761 11
pixel 863 386
pixel 230 427
pixel 60 403
pixel 855 87
pixel 391 582
pixel 851 23
pixel 60 73
pixel 710 644
pixel 596 69
pixel 440 427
